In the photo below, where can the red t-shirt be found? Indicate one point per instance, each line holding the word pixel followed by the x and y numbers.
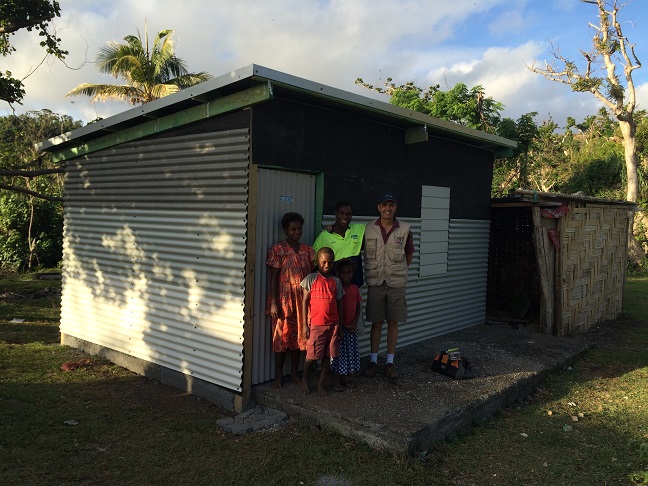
pixel 350 301
pixel 324 294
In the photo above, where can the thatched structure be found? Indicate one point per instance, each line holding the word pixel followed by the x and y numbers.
pixel 557 259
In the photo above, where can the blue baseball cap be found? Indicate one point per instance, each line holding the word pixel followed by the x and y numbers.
pixel 388 196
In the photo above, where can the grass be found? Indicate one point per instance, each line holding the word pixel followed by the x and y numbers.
pixel 132 430
pixel 636 303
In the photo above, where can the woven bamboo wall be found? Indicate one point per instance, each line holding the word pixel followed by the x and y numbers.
pixel 593 249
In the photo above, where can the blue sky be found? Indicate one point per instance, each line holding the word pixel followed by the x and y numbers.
pixel 486 42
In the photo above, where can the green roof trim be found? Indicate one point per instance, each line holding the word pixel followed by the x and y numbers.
pixel 207 109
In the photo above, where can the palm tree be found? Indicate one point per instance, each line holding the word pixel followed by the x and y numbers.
pixel 149 73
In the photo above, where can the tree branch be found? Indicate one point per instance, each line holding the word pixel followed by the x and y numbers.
pixel 31 193
pixel 8 29
pixel 30 173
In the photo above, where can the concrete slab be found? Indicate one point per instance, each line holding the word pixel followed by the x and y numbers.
pixel 424 407
pixel 254 420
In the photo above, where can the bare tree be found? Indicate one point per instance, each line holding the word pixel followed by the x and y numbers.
pixel 611 49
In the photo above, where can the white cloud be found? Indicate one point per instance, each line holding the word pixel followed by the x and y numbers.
pixel 504 74
pixel 329 41
pixel 642 96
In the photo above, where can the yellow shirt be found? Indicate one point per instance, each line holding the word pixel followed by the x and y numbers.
pixel 347 246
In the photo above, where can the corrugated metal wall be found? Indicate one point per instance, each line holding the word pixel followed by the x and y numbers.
pixel 442 303
pixel 154 255
pixel 279 192
pixel 456 300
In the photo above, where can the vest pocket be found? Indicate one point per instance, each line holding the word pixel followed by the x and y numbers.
pixel 371 247
pixel 397 255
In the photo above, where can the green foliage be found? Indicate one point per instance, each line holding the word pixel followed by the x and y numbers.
pixel 46 230
pixel 641 137
pixel 13 246
pixel 589 161
pixel 468 107
pixel 587 84
pixel 30 227
pixel 597 178
pixel 538 162
pixel 19 133
pixel 635 303
pixel 149 72
pixel 412 97
pixel 526 131
pixel 596 162
pixel 11 89
pixel 30 15
pixel 599 125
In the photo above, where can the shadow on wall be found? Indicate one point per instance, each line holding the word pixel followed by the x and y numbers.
pixel 150 270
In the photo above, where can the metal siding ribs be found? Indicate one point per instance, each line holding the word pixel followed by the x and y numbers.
pixel 154 253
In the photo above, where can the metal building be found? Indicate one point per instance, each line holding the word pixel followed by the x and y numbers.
pixel 170 208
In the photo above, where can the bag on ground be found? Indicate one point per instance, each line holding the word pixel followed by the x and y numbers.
pixel 450 363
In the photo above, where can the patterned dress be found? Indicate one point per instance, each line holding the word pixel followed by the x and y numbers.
pixel 286 330
pixel 348 359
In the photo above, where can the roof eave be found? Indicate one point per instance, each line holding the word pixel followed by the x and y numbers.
pixel 212 89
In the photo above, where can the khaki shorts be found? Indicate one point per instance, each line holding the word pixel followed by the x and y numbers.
pixel 385 303
pixel 323 342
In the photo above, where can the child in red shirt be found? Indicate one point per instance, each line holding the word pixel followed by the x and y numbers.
pixel 322 309
pixel 348 361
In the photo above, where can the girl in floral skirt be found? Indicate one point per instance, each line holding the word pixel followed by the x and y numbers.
pixel 289 261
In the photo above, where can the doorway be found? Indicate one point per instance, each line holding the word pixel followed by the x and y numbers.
pixel 278 193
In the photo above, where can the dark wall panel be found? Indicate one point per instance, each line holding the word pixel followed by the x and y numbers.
pixel 358 158
pixel 361 159
pixel 466 170
pixel 228 121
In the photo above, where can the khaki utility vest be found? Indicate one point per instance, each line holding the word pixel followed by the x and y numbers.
pixel 385 262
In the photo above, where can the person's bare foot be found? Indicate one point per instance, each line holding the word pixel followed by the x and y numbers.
pixel 321 391
pixel 305 389
pixel 295 379
pixel 278 383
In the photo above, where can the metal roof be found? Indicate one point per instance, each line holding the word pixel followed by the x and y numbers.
pixel 280 85
pixel 579 197
pixel 526 197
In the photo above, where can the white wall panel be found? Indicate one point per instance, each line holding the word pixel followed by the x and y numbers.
pixel 154 252
pixel 433 231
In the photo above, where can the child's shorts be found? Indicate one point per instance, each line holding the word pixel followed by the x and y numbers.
pixel 324 342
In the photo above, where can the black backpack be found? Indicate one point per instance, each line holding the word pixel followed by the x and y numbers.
pixel 450 363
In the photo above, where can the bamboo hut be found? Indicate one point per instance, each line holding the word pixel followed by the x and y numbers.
pixel 558 260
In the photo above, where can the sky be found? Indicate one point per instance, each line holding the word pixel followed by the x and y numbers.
pixel 334 42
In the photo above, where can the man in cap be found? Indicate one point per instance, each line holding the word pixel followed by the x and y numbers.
pixel 388 254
